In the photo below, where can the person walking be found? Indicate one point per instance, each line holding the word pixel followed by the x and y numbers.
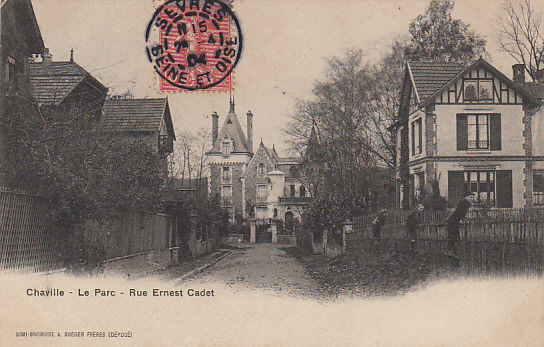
pixel 377 225
pixel 453 223
pixel 412 222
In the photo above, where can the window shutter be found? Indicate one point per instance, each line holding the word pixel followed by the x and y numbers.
pixel 413 138
pixel 504 188
pixel 420 128
pixel 495 131
pixel 462 132
pixel 456 186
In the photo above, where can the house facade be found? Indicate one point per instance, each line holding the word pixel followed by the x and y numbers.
pixel 470 128
pixel 20 39
pixel 149 120
pixel 257 185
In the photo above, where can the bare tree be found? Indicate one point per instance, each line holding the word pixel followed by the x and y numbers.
pixel 520 35
pixel 189 159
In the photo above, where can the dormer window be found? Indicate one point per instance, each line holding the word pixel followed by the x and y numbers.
pixel 226 147
pixel 261 169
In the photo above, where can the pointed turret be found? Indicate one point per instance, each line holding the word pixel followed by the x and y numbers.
pixel 232 132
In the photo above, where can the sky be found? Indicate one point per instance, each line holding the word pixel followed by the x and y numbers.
pixel 286 44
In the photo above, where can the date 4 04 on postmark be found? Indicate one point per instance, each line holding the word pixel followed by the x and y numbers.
pixel 194 45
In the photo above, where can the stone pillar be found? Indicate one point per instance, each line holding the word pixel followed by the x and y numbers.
pixel 344 243
pixel 430 148
pixel 252 231
pixel 347 228
pixel 528 149
pixel 274 229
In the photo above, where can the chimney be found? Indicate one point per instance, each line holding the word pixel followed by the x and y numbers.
pixel 215 127
pixel 47 57
pixel 519 73
pixel 250 131
pixel 72 55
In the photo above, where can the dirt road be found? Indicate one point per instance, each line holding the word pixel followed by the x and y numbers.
pixel 260 266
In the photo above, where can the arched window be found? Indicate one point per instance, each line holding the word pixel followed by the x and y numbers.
pixel 261 169
pixel 302 191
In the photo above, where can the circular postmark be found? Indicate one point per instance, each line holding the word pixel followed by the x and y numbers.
pixel 194 44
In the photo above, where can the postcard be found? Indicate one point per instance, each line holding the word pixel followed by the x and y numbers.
pixel 271 173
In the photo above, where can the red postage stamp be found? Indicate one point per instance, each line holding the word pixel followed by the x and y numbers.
pixel 194 45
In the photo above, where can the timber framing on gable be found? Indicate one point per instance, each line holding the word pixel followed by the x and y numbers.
pixel 500 89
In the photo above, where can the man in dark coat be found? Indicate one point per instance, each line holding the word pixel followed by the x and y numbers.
pixel 412 222
pixel 453 222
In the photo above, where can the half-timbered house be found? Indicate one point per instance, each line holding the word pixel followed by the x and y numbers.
pixel 470 128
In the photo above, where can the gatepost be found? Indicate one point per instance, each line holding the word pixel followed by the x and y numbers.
pixel 274 229
pixel 348 227
pixel 252 231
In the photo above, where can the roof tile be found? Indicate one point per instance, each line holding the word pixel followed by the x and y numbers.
pixel 133 115
pixel 51 84
pixel 431 76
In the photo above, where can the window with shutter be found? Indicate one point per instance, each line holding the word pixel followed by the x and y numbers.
pixel 504 188
pixel 538 187
pixel 417 136
pixel 495 131
pixel 482 184
pixel 462 129
pixel 479 131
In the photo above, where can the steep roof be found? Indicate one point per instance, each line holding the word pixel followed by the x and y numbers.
pixel 233 130
pixel 27 20
pixel 428 77
pixel 136 115
pixel 51 84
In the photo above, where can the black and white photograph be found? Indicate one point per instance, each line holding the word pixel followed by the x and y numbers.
pixel 271 173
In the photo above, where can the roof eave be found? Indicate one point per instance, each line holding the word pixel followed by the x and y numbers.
pixel 496 72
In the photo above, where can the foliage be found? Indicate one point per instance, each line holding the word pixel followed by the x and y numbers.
pixel 384 101
pixel 83 172
pixel 520 35
pixel 328 212
pixel 343 136
pixel 436 36
pixel 341 154
pixel 435 201
pixel 85 256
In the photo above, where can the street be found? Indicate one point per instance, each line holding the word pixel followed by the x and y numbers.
pixel 259 266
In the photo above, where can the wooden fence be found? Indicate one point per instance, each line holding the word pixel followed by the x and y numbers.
pixel 131 232
pixel 508 240
pixel 27 241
